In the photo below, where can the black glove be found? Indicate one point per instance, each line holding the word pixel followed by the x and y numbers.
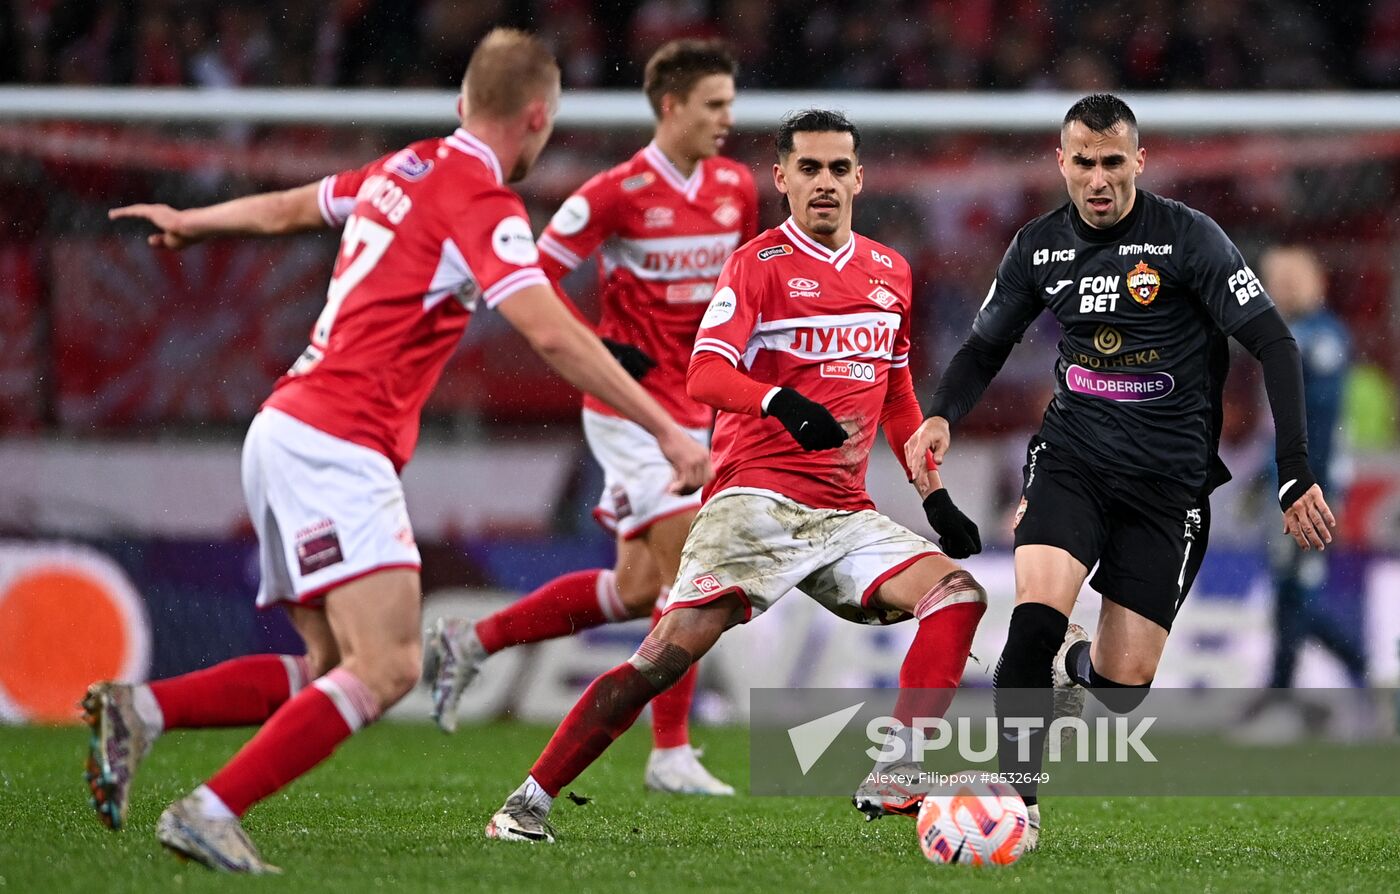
pixel 957 534
pixel 632 358
pixel 809 423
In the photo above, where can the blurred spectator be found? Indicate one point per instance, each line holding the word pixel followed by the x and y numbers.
pixel 872 44
pixel 1294 277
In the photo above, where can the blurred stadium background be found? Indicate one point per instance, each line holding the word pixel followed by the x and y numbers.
pixel 127 375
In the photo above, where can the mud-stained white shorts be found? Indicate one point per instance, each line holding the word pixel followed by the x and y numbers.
pixel 326 511
pixel 758 545
pixel 635 475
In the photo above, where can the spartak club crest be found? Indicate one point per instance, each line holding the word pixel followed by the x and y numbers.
pixel 1143 283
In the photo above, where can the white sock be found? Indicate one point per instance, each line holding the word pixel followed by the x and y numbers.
pixel 211 806
pixel 148 709
pixel 534 794
pixel 904 734
pixel 677 751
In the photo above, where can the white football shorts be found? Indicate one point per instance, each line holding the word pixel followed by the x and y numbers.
pixel 759 544
pixel 326 511
pixel 635 475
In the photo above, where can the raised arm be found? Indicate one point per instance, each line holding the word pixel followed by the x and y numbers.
pixel 265 214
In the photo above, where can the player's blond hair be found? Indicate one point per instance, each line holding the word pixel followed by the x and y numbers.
pixel 508 70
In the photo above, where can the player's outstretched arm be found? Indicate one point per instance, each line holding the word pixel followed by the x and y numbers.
pixel 264 214
pixel 578 355
pixel 1306 516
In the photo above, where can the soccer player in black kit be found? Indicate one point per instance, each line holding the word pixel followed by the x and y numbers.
pixel 1146 291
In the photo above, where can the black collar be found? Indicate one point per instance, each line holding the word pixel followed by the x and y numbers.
pixel 1110 234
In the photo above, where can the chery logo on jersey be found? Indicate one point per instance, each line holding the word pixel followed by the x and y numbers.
pixel 848 369
pixel 1130 387
pixel 801 287
pixel 1143 283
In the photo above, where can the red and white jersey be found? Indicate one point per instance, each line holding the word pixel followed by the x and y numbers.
pixel 662 240
pixel 790 312
pixel 429 232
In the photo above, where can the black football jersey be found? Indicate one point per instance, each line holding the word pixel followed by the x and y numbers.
pixel 1145 307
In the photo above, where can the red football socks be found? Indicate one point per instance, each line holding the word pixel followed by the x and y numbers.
pixel 240 692
pixel 561 607
pixel 605 711
pixel 933 666
pixel 670 711
pixel 301 734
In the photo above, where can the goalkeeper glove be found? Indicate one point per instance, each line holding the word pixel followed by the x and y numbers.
pixel 810 424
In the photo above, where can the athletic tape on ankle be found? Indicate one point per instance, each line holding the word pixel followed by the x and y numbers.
pixel 954 589
pixel 660 662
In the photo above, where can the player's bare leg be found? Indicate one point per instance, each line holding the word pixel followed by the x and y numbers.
pixel 948 604
pixel 1048 580
pixel 606 709
pixel 674 765
pixel 125 719
pixel 375 625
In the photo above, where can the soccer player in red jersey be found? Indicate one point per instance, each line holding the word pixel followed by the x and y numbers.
pixel 804 350
pixel 430 232
pixel 662 223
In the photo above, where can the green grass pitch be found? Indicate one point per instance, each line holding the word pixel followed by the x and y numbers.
pixel 402 807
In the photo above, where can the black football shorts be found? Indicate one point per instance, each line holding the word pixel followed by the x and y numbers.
pixel 1146 536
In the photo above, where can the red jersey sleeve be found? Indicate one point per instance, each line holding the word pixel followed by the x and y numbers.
pixel 901 415
pixel 494 238
pixel 579 226
pixel 337 192
pixel 729 320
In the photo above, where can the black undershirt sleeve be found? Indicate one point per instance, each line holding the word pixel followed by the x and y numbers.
pixel 1266 336
pixel 972 369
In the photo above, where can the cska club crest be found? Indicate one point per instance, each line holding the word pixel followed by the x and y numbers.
pixel 1143 283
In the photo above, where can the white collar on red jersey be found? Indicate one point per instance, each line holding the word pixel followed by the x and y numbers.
pixel 807 244
pixel 687 186
pixel 463 141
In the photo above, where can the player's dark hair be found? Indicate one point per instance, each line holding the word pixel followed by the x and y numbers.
pixel 814 121
pixel 1101 113
pixel 679 65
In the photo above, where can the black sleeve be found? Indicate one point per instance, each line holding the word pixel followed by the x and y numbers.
pixel 1230 291
pixel 1011 304
pixel 972 369
pixel 1266 336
